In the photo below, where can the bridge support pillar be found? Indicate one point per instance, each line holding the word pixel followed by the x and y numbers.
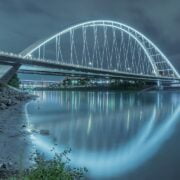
pixel 7 71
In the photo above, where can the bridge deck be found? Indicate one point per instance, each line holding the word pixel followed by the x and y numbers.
pixel 53 68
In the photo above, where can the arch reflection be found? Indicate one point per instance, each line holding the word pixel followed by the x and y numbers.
pixel 110 133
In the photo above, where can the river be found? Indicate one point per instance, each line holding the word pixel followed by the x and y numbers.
pixel 116 135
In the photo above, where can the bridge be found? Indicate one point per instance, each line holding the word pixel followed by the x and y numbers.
pixel 95 49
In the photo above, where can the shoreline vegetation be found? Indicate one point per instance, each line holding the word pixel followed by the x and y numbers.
pixel 84 84
pixel 56 168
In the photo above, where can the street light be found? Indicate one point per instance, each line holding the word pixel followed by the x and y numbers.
pixel 90 63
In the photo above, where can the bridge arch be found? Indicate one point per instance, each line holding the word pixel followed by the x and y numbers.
pixel 160 65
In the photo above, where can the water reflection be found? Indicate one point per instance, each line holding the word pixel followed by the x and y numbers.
pixel 110 133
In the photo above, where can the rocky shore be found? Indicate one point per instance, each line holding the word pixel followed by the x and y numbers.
pixel 15 144
pixel 11 96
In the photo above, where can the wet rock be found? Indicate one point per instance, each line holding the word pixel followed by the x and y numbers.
pixel 44 132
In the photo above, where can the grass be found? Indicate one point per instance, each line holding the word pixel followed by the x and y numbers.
pixel 57 168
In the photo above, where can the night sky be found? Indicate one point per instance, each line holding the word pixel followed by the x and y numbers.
pixel 24 22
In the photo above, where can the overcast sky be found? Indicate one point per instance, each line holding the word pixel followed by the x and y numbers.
pixel 24 22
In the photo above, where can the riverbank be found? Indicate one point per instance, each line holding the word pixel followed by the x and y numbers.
pixel 15 144
pixel 19 158
pixel 10 96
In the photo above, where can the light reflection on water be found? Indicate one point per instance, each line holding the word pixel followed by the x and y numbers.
pixel 110 133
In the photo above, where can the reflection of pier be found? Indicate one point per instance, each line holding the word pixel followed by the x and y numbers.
pixel 126 136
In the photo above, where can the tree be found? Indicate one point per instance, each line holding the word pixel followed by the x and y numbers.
pixel 15 82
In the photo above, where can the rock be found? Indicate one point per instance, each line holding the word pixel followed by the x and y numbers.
pixel 23 126
pixel 3 106
pixel 9 103
pixel 9 165
pixel 4 101
pixel 3 166
pixel 13 101
pixel 44 132
pixel 10 97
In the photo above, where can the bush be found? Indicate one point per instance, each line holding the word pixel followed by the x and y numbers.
pixel 57 168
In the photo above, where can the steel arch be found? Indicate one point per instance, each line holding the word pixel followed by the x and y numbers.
pixel 145 43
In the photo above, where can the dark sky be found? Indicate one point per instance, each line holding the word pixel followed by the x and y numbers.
pixel 24 22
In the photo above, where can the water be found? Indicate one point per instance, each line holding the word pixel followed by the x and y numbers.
pixel 116 135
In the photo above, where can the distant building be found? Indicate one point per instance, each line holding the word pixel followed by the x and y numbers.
pixel 75 81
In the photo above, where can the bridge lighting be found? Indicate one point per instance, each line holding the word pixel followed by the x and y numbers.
pixel 129 69
pixel 29 56
pixel 153 72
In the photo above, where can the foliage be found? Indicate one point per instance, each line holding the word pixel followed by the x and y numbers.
pixel 57 168
pixel 1 86
pixel 15 82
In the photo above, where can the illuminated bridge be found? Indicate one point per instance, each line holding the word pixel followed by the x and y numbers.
pixel 97 49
